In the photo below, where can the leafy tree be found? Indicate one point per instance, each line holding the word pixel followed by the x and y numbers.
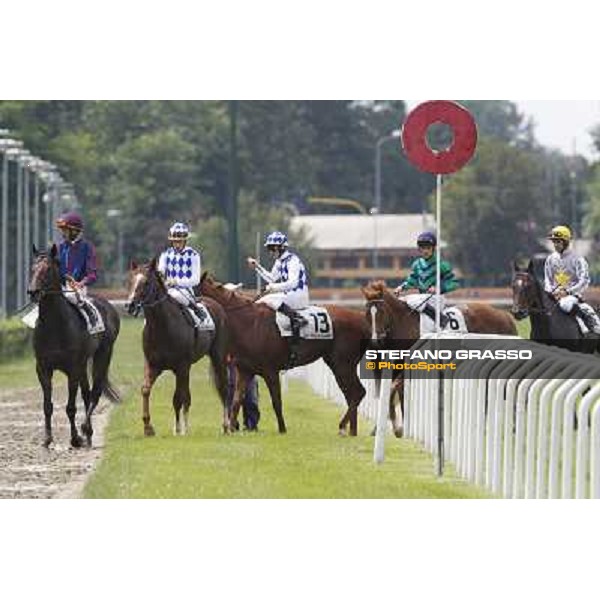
pixel 494 210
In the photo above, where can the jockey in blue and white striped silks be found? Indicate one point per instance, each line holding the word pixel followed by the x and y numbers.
pixel 287 281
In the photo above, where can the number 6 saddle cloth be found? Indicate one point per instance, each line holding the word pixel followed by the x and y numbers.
pixel 319 325
pixel 455 324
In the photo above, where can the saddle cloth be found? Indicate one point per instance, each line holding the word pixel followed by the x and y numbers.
pixel 30 318
pixel 456 321
pixel 583 328
pixel 319 325
pixel 207 323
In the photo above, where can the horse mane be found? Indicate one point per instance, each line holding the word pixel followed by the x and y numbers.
pixel 229 295
pixel 378 290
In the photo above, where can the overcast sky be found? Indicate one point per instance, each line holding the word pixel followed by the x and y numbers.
pixel 561 122
pixel 558 123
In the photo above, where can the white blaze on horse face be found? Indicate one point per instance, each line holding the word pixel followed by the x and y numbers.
pixel 137 281
pixel 373 323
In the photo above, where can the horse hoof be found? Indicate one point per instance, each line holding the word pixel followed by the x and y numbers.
pixel 86 429
pixel 77 442
pixel 399 433
pixel 149 431
pixel 342 432
pixel 47 441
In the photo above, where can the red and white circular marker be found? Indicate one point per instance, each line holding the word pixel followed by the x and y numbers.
pixel 414 136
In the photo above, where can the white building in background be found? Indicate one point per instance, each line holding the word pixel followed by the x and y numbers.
pixel 346 245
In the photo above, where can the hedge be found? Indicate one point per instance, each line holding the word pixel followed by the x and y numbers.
pixel 15 339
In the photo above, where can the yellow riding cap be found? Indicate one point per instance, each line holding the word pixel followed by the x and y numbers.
pixel 560 232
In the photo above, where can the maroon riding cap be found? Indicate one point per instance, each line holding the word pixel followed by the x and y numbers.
pixel 72 220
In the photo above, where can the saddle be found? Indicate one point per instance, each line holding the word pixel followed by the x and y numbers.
pixel 31 317
pixel 318 327
pixel 199 318
pixel 93 319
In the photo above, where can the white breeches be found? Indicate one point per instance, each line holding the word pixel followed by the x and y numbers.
pixel 568 303
pixel 420 301
pixel 184 296
pixel 296 299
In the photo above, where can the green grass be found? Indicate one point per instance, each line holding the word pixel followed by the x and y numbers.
pixel 310 461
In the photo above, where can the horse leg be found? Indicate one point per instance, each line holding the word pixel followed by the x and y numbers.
pixel 86 427
pixel 100 364
pixel 181 399
pixel 241 382
pixel 397 419
pixel 45 379
pixel 348 381
pixel 150 376
pixel 73 386
pixel 217 361
pixel 272 381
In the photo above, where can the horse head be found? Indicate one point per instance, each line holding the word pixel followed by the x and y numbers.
pixel 526 291
pixel 377 312
pixel 45 274
pixel 146 286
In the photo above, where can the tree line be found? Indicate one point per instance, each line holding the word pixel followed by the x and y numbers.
pixel 159 161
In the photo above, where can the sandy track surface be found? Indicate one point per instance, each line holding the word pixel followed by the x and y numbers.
pixel 27 469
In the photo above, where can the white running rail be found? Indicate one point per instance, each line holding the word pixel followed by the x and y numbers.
pixel 531 431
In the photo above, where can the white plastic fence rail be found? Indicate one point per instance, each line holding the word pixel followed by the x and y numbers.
pixel 531 431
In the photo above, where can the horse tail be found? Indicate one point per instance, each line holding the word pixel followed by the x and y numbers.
pixel 110 392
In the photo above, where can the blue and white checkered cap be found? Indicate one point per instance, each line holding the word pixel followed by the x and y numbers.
pixel 179 231
pixel 276 238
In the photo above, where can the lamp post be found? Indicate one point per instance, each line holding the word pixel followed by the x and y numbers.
pixel 19 158
pixel 8 147
pixel 393 135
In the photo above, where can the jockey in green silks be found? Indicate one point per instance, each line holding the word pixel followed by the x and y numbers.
pixel 422 279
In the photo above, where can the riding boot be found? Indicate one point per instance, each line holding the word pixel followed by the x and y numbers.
pixel 297 321
pixel 198 311
pixel 430 312
pixel 589 316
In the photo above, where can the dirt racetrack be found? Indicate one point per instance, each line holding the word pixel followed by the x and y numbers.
pixel 27 469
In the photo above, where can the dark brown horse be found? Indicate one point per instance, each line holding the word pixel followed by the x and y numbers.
pixel 393 319
pixel 549 324
pixel 61 342
pixel 260 350
pixel 171 343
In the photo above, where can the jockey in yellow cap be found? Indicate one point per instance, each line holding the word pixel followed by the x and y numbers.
pixel 566 277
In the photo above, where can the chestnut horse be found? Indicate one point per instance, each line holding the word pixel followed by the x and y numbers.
pixel 393 319
pixel 260 350
pixel 171 343
pixel 61 342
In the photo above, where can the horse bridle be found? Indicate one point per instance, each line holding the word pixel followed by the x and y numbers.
pixel 45 283
pixel 150 288
pixel 529 279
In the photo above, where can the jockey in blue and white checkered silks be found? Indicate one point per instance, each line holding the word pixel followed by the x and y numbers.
pixel 566 277
pixel 180 266
pixel 287 281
